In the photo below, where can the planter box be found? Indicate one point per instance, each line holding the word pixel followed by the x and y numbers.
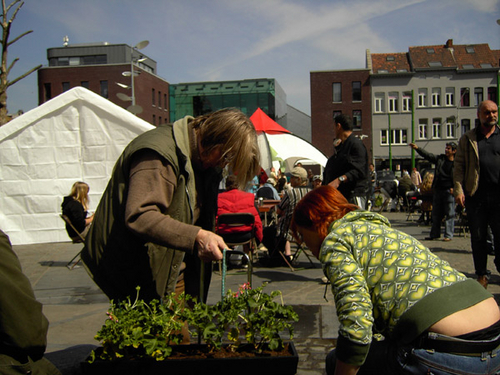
pixel 245 364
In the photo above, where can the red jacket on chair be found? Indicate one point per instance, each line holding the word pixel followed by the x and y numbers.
pixel 237 201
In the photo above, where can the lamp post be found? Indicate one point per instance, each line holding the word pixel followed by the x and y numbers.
pixel 135 109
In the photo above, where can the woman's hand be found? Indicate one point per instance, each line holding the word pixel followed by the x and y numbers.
pixel 210 246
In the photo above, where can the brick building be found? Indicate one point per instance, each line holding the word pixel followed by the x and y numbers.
pixel 106 70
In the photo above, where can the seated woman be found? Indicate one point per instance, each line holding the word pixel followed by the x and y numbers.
pixel 234 200
pixel 401 309
pixel 75 207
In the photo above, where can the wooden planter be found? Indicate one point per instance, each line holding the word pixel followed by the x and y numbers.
pixel 247 363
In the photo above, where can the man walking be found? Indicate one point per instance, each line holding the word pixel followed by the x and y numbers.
pixel 476 178
pixel 347 169
pixel 443 204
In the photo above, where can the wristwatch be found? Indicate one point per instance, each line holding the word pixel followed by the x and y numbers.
pixel 342 178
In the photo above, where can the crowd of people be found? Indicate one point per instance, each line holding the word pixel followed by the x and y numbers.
pixel 401 308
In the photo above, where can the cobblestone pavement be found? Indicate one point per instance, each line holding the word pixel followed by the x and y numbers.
pixel 76 308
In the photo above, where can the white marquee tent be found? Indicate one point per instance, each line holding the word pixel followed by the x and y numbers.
pixel 77 136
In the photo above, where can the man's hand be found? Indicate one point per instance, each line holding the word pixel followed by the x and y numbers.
pixel 210 246
pixel 335 183
pixel 460 199
pixel 413 146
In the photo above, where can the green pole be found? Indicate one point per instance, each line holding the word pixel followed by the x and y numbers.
pixel 390 143
pixel 412 129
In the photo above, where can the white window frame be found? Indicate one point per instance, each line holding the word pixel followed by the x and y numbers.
pixel 422 99
pixel 450 129
pixel 422 130
pixel 436 129
pixel 393 102
pixel 379 104
pixel 449 99
pixel 406 102
pixel 436 97
pixel 401 135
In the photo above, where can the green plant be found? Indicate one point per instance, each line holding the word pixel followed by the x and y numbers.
pixel 140 329
pixel 248 316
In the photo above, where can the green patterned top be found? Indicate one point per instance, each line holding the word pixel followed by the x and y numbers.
pixel 377 274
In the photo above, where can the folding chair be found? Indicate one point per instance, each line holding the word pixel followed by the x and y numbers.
pixel 241 238
pixel 411 203
pixel 78 239
pixel 302 248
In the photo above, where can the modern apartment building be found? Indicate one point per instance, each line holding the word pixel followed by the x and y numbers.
pixel 118 72
pixel 428 95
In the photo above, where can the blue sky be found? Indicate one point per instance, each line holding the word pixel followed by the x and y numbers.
pixel 204 40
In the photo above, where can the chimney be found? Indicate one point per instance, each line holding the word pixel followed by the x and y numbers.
pixel 449 43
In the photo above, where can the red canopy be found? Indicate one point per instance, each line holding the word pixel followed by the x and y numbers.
pixel 263 123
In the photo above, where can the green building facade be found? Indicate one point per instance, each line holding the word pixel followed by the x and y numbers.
pixel 197 98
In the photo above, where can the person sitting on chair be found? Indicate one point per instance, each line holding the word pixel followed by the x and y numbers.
pixel 75 207
pixel 285 209
pixel 268 191
pixel 236 201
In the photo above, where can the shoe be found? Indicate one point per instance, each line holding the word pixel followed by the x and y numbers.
pixel 446 239
pixel 430 238
pixel 483 280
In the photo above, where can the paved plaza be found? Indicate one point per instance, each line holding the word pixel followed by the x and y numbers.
pixel 76 308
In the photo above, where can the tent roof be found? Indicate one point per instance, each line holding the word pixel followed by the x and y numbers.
pixel 263 123
pixel 76 136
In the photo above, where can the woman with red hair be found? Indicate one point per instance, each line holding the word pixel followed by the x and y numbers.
pixel 401 309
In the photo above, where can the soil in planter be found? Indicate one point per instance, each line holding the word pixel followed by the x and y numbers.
pixel 193 351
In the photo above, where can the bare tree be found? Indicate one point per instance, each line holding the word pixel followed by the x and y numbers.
pixel 4 72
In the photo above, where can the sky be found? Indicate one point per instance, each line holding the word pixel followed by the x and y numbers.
pixel 217 40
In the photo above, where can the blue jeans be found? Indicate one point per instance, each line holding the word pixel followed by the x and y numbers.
pixel 388 358
pixel 483 209
pixel 443 206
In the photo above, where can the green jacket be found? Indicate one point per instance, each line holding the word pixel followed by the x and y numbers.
pixel 466 171
pixel 117 259
pixel 387 283
pixel 23 327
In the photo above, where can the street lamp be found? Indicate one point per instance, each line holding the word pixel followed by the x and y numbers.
pixel 135 109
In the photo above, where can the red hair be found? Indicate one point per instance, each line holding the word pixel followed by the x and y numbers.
pixel 319 208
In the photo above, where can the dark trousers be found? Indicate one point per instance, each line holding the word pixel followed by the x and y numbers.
pixel 483 209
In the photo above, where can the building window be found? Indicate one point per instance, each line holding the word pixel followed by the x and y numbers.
pixel 104 89
pixel 422 98
pixel 154 120
pixel 398 137
pixel 436 97
pixel 406 102
pixel 153 97
pixel 492 94
pixel 159 120
pixel 65 86
pixel 436 128
pixel 464 97
pixel 470 49
pixel 47 88
pixel 356 91
pixel 159 100
pixel 393 102
pixel 478 96
pixel 356 119
pixel 422 128
pixel 85 84
pixel 337 92
pixel 379 102
pixel 165 104
pixel 465 126
pixel 450 128
pixel 450 97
